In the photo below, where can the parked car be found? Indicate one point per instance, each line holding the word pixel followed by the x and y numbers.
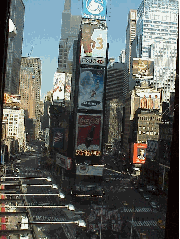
pixel 154 205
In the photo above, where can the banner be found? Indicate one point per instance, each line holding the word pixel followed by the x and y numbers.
pixel 58 138
pixel 94 41
pixel 88 133
pixel 142 68
pixel 91 89
pixel 89 170
pixel 139 155
pixel 95 9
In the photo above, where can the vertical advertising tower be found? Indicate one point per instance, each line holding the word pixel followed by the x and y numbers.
pixel 91 97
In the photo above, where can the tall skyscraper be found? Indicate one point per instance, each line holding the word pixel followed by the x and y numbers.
pixel 30 86
pixel 157 31
pixel 69 32
pixel 14 50
pixel 130 35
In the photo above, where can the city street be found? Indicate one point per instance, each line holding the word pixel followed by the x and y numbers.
pixel 29 167
pixel 123 204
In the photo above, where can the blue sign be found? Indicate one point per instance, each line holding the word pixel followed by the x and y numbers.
pixel 94 9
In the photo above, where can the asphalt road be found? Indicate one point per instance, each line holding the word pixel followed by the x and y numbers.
pixel 119 194
pixel 29 168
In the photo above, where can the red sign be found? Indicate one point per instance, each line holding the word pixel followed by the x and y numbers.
pixel 139 155
pixel 88 132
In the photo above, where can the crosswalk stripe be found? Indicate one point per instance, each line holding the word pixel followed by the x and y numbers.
pixel 144 223
pixel 138 210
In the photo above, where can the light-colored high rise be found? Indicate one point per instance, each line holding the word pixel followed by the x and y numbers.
pixel 69 32
pixel 157 31
pixel 30 86
pixel 130 35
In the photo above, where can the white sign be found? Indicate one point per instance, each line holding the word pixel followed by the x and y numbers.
pixel 89 170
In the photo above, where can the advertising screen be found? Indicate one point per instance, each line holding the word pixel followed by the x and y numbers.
pixel 139 155
pixel 88 134
pixel 142 68
pixel 149 100
pixel 95 9
pixel 94 41
pixel 91 88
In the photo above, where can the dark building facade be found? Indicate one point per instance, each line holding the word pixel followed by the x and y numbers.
pixel 14 51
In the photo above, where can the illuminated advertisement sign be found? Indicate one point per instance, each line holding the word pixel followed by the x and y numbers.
pixel 88 134
pixel 93 61
pixel 63 161
pixel 91 88
pixel 149 100
pixel 59 83
pixel 95 9
pixel 89 170
pixel 94 41
pixel 67 87
pixel 139 155
pixel 142 68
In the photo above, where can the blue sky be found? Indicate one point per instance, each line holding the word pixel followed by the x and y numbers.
pixel 42 30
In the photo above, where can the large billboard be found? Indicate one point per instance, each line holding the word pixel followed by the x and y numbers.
pixel 88 134
pixel 58 138
pixel 59 83
pixel 149 100
pixel 94 40
pixel 139 154
pixel 89 170
pixel 91 88
pixel 142 68
pixel 95 9
pixel 152 147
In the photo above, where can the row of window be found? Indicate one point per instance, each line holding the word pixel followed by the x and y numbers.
pixel 149 132
pixel 149 118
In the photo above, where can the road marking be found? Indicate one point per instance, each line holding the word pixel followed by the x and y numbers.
pixel 138 210
pixel 144 223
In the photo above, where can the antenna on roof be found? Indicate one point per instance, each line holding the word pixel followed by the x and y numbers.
pixel 29 54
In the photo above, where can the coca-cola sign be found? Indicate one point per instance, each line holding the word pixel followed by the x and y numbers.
pixel 88 132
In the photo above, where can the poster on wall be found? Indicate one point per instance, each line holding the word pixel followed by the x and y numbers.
pixel 139 154
pixel 142 68
pixel 94 41
pixel 91 89
pixel 88 134
pixel 95 9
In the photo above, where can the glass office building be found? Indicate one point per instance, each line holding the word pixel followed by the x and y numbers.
pixel 157 31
